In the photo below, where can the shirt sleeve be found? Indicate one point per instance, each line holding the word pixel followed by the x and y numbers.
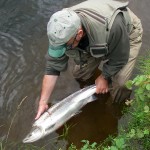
pixel 55 65
pixel 119 47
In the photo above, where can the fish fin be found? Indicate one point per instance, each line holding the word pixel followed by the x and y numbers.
pixel 76 113
pixel 92 98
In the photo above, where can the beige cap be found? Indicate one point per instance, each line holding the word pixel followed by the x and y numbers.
pixel 62 26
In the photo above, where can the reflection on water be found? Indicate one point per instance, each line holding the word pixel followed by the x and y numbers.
pixel 23 44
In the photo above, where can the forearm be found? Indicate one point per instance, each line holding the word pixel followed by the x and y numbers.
pixel 48 85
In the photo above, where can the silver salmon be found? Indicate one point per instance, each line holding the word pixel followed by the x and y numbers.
pixel 60 113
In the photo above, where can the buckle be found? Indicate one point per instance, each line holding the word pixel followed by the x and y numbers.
pixel 99 50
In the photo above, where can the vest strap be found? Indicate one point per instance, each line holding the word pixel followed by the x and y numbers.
pixel 99 50
pixel 128 20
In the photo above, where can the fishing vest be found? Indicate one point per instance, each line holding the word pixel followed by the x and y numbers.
pixel 97 17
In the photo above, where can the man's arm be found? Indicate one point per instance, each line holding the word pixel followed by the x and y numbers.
pixel 53 68
pixel 48 85
pixel 119 48
pixel 118 54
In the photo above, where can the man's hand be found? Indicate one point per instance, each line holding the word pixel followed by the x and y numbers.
pixel 48 84
pixel 42 108
pixel 101 85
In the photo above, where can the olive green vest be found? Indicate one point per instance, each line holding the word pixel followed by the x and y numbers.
pixel 97 17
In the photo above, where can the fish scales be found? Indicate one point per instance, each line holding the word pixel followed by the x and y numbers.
pixel 59 113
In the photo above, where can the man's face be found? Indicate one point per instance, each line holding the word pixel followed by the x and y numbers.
pixel 74 41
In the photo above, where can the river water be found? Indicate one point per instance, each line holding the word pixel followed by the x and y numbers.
pixel 23 44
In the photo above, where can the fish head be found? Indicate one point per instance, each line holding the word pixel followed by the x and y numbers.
pixel 35 134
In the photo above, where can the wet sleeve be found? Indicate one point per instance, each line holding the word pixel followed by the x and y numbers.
pixel 55 65
pixel 119 48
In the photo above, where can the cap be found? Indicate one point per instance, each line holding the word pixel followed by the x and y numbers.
pixel 62 26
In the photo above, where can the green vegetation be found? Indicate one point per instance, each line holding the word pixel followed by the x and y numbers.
pixel 66 129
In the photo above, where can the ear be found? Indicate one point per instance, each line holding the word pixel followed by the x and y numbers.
pixel 80 34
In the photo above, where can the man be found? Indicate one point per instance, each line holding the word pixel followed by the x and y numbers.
pixel 92 32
